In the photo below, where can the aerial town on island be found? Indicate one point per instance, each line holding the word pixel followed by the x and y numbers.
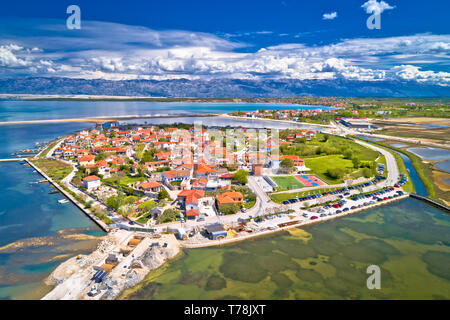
pixel 158 188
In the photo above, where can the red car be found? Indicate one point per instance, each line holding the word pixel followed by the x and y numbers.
pixel 313 218
pixel 385 198
pixel 396 185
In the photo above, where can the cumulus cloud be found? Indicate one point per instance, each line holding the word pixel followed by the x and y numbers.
pixel 373 6
pixel 119 52
pixel 329 16
pixel 9 57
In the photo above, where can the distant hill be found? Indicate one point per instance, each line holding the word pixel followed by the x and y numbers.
pixel 221 88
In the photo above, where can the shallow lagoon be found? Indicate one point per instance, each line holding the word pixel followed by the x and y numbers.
pixel 370 138
pixel 409 240
pixel 444 165
pixel 431 153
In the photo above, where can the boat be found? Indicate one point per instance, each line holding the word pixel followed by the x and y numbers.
pixel 62 201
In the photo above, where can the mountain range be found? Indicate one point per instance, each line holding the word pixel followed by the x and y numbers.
pixel 221 88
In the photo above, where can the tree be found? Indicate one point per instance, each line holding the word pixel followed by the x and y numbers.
pixel 241 176
pixel 168 215
pixel 93 171
pixel 229 209
pixel 287 164
pixel 356 162
pixel 335 173
pixel 348 153
pixel 163 194
pixel 367 173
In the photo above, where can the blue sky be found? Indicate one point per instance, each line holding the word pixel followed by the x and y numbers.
pixel 197 39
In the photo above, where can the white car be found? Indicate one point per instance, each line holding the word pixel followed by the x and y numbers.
pixel 94 291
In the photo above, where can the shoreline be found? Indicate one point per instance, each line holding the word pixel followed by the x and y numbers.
pixel 299 224
pixel 108 119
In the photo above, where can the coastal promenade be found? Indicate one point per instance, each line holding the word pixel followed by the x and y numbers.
pixel 99 222
pixel 301 222
pixel 13 159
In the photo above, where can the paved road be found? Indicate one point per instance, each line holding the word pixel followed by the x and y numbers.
pixel 391 164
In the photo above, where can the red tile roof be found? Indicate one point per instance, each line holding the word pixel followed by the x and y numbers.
pixel 91 178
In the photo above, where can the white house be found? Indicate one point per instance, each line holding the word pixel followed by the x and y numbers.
pixel 91 182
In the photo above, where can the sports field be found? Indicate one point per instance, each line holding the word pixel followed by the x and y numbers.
pixel 310 181
pixel 287 182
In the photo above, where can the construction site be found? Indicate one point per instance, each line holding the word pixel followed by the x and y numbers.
pixel 120 261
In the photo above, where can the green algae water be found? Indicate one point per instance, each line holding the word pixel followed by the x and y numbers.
pixel 408 240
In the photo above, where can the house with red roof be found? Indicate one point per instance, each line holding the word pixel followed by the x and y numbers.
pixel 190 201
pixel 229 197
pixel 86 160
pixel 91 182
pixel 150 186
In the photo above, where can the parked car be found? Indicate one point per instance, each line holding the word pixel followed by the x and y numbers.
pixel 93 292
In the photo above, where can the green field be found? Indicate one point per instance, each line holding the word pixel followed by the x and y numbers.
pixel 279 197
pixel 124 181
pixel 287 182
pixel 320 165
pixel 56 170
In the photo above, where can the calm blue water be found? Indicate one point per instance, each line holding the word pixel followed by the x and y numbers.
pixel 427 125
pixel 34 221
pixel 398 145
pixel 444 165
pixel 38 110
pixel 414 176
pixel 14 138
pixel 431 153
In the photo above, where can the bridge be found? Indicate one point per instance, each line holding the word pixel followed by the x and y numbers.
pixel 432 202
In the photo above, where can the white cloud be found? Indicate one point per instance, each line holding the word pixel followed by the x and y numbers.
pixel 9 56
pixel 413 73
pixel 373 6
pixel 116 52
pixel 329 16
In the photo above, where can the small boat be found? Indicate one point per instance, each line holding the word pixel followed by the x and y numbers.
pixel 62 201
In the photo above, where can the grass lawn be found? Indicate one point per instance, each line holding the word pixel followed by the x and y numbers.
pixel 320 165
pixel 250 204
pixel 55 169
pixel 287 182
pixel 124 181
pixel 46 151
